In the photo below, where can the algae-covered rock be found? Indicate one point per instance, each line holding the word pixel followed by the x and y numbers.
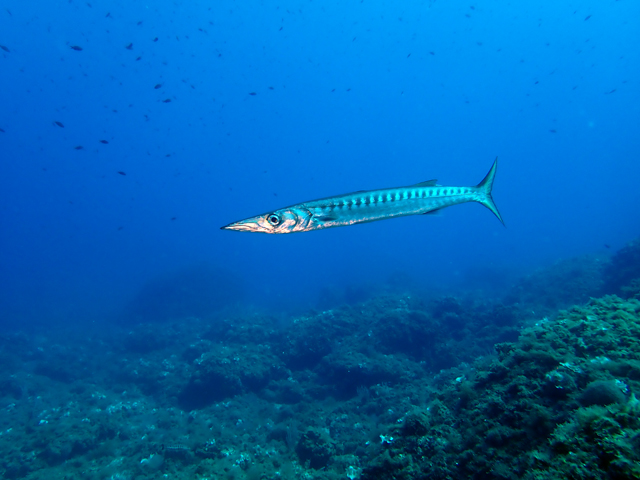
pixel 413 332
pixel 604 392
pixel 315 335
pixel 598 442
pixel 316 448
pixel 494 419
pixel 416 423
pixel 623 270
pixel 227 371
pixel 347 370
pixel 632 290
pixel 353 392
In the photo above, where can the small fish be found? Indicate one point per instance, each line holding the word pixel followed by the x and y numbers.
pixel 58 124
pixel 166 100
pixel 611 91
pixel 252 93
pixel 78 147
pixel 2 130
pixel 104 141
pixel 155 39
pixel 369 206
pixel 5 49
pixel 587 18
pixel 122 173
pixel 158 85
pixel 138 59
pixel 76 48
pixel 129 47
pixel 553 131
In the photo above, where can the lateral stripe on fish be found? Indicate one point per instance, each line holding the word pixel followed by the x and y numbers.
pixel 370 206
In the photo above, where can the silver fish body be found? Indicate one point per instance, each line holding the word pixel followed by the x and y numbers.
pixel 369 206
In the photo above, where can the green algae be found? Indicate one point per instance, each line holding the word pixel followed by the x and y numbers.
pixel 521 416
pixel 622 275
pixel 400 386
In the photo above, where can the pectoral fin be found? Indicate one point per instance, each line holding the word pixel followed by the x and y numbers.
pixel 326 216
pixel 437 211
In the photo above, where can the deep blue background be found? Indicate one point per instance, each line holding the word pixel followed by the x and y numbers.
pixel 348 96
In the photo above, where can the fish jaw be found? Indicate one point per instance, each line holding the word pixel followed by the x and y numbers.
pixel 254 224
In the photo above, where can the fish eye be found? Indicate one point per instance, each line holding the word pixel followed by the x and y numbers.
pixel 274 219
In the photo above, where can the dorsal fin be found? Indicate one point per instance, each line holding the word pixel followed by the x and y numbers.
pixel 428 183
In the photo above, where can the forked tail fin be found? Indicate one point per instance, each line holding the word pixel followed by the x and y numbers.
pixel 485 187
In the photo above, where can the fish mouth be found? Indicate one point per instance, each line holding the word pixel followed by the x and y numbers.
pixel 249 225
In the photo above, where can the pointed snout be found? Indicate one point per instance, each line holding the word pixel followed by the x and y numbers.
pixel 248 225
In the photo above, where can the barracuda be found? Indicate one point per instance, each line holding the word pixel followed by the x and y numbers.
pixel 369 206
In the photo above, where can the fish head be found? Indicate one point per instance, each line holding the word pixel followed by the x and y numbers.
pixel 285 220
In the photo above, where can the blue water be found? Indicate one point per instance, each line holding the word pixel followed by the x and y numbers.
pixel 273 103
